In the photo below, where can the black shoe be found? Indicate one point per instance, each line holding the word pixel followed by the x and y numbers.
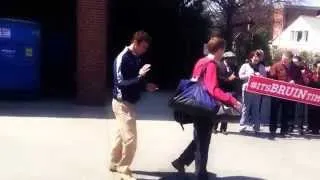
pixel 301 132
pixel 224 132
pixel 308 131
pixel 290 130
pixel 214 131
pixel 178 166
pixel 204 176
pixel 285 135
pixel 272 135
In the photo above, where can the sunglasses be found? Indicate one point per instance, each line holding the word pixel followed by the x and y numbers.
pixel 258 54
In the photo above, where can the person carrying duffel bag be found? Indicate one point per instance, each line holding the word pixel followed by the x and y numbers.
pixel 197 99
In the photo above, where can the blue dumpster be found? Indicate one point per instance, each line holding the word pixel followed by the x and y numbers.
pixel 19 56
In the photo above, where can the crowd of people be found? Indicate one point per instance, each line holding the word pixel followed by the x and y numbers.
pixel 260 110
pixel 223 83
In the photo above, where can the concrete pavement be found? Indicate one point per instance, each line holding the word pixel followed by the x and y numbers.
pixel 75 148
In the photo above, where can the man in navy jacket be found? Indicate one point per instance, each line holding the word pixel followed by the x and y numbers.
pixel 128 73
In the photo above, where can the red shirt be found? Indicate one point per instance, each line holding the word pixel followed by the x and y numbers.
pixel 316 77
pixel 307 76
pixel 210 80
pixel 315 81
pixel 280 72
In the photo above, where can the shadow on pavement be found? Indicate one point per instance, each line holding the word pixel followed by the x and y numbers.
pixel 152 107
pixel 53 109
pixel 189 176
pixel 266 135
pixel 261 135
pixel 312 136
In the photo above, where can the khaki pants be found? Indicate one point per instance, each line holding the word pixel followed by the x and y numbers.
pixel 124 149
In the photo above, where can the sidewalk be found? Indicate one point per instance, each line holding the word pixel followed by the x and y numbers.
pixel 75 147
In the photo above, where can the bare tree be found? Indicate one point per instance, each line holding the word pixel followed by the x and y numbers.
pixel 232 16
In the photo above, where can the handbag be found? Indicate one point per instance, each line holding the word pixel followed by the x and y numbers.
pixel 193 99
pixel 182 118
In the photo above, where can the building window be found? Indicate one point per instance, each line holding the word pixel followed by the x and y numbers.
pixel 299 36
pixel 292 36
pixel 305 36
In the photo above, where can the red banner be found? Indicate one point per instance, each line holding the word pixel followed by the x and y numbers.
pixel 284 90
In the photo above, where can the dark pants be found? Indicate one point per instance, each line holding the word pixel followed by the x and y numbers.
pixel 223 126
pixel 265 109
pixel 313 117
pixel 299 116
pixel 223 119
pixel 286 109
pixel 199 147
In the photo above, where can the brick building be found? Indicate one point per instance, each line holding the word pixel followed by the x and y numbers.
pixel 284 15
pixel 91 51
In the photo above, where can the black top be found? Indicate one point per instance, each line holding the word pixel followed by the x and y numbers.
pixel 127 84
pixel 224 72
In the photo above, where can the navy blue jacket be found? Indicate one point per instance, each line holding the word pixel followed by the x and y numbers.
pixel 127 84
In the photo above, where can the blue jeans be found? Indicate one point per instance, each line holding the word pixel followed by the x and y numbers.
pixel 265 110
pixel 251 110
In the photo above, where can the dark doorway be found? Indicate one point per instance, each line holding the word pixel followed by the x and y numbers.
pixel 58 45
pixel 177 36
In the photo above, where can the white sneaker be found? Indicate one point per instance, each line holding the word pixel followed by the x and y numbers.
pixel 243 129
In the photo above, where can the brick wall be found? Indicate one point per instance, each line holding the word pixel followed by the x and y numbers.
pixel 278 22
pixel 91 51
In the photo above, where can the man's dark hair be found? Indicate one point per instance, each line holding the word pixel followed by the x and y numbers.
pixel 141 36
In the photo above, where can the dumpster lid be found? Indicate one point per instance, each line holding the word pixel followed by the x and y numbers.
pixel 19 20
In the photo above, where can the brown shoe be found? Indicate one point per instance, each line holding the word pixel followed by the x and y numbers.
pixel 124 170
pixel 124 176
pixel 113 167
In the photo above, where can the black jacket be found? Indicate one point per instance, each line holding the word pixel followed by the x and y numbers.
pixel 127 84
pixel 223 75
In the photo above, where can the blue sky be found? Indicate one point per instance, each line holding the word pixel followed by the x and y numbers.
pixel 313 2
